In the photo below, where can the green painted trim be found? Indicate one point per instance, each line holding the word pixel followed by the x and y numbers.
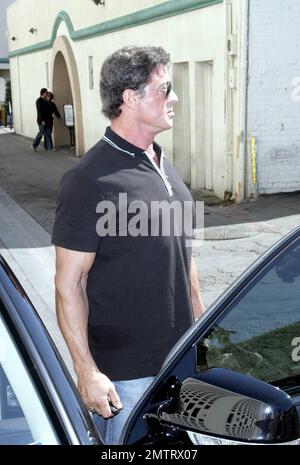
pixel 4 60
pixel 31 49
pixel 62 16
pixel 147 15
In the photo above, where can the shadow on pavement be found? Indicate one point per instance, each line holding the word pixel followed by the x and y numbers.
pixel 263 209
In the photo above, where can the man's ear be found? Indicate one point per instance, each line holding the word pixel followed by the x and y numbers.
pixel 130 98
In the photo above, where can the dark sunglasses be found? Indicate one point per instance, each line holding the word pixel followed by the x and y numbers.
pixel 165 89
pixel 168 89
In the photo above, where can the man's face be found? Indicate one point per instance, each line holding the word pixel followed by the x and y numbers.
pixel 155 109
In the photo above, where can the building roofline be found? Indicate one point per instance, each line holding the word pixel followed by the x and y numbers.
pixel 147 15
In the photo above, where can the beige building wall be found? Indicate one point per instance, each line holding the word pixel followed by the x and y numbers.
pixel 196 41
pixel 41 14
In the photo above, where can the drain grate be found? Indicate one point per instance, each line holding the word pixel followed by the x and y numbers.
pixel 238 231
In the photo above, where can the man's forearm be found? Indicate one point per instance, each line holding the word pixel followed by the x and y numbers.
pixel 196 299
pixel 72 316
pixel 95 388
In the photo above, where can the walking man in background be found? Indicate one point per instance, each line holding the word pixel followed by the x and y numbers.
pixel 123 300
pixel 52 111
pixel 43 118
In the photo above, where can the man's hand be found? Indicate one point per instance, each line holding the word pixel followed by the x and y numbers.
pixel 97 391
pixel 43 123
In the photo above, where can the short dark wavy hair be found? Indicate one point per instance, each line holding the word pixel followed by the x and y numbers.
pixel 127 68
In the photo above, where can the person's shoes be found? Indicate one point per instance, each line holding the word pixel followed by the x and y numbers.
pixel 53 150
pixel 34 148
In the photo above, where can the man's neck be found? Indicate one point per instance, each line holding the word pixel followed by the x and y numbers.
pixel 136 135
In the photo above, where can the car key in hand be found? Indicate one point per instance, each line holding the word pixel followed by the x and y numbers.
pixel 114 411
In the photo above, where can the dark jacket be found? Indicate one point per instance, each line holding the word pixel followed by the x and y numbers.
pixel 43 111
pixel 54 110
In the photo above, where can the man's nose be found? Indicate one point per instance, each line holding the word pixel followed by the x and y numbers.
pixel 172 97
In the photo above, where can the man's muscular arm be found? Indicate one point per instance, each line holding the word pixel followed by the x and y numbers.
pixel 72 311
pixel 197 304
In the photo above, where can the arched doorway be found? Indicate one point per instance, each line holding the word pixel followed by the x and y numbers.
pixel 66 88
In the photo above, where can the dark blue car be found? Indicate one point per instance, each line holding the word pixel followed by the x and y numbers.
pixel 233 378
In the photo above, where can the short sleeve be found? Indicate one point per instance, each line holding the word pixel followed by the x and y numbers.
pixel 76 218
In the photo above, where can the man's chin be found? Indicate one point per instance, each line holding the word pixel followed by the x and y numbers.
pixel 166 125
pixel 169 122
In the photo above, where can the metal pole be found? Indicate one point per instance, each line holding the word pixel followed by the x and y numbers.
pixel 241 187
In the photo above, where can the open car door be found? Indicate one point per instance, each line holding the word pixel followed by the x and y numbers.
pixel 234 378
pixel 39 403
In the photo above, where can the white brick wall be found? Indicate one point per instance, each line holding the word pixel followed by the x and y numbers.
pixel 273 110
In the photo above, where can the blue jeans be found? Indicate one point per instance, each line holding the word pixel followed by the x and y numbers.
pixel 50 127
pixel 130 393
pixel 43 131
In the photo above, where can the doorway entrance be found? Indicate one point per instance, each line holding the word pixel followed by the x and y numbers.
pixel 63 96
pixel 66 89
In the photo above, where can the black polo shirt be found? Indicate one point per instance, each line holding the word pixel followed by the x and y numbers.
pixel 138 287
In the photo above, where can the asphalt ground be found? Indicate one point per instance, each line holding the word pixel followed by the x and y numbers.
pixel 32 179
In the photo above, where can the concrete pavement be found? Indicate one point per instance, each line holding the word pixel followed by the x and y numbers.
pixel 235 235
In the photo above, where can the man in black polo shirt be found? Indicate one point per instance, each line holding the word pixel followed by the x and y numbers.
pixel 126 289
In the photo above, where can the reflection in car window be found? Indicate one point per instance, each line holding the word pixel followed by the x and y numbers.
pixel 260 333
pixel 23 419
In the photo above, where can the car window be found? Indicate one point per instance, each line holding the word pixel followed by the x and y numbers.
pixel 259 335
pixel 23 418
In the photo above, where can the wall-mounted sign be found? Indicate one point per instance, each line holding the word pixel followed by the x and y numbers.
pixel 69 115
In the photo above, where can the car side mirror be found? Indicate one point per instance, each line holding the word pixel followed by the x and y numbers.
pixel 221 406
